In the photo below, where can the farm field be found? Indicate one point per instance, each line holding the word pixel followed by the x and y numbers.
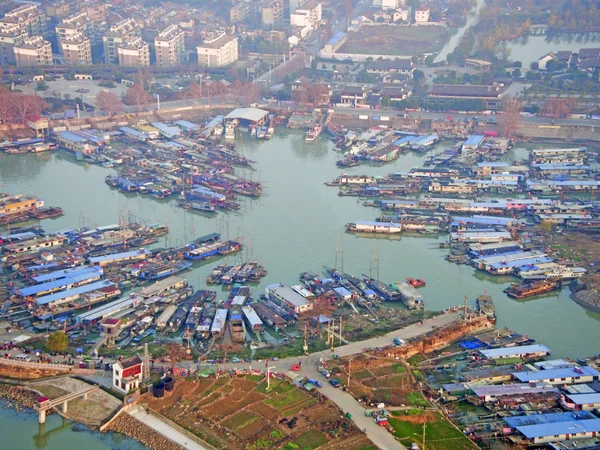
pixel 439 433
pixel 239 412
pixel 394 40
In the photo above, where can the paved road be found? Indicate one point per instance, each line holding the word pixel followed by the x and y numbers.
pixel 345 401
pixel 165 429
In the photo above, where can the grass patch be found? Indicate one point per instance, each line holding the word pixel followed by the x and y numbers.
pixel 277 387
pixel 240 420
pixel 362 374
pixel 441 435
pixel 310 440
pixel 391 40
pixel 285 399
pixel 399 368
pixel 417 399
pixel 51 392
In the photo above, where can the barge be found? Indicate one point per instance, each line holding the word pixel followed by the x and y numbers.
pixel 529 289
pixel 485 305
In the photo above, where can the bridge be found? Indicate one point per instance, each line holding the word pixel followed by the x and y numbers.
pixel 47 404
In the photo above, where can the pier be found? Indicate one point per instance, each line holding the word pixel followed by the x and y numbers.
pixel 45 404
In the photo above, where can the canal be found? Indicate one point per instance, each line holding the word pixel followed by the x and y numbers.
pixel 294 227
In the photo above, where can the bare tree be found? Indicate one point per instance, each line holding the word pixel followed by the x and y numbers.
pixel 27 105
pixel 194 91
pixel 176 352
pixel 300 93
pixel 318 94
pixel 557 108
pixel 136 95
pixel 511 119
pixel 7 110
pixel 109 103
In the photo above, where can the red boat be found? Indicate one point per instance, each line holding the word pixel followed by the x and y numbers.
pixel 419 282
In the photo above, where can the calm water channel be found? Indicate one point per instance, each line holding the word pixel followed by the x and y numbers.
pixel 294 228
pixel 528 49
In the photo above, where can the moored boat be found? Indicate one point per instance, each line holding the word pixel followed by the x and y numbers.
pixel 485 305
pixel 529 289
pixel 419 282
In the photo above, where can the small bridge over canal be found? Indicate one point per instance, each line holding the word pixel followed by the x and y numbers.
pixel 45 404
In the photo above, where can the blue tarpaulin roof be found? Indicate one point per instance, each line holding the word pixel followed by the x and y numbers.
pixel 98 259
pixel 573 372
pixel 59 274
pixel 71 292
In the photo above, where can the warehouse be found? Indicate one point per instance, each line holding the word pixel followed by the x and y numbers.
pixel 248 116
pixel 288 298
pixel 537 350
pixel 574 374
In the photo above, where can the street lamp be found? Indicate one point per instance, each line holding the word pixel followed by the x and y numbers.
pixel 269 376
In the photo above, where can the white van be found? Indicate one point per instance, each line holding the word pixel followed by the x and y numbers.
pixel 23 357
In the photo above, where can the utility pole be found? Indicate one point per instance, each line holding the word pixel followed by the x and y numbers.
pixel 332 333
pixel 349 373
pixel 340 331
pixel 146 363
pixel 424 430
pixel 306 338
pixel 466 306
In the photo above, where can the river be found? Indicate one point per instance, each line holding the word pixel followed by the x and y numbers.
pixel 531 48
pixel 20 431
pixel 294 228
pixel 456 37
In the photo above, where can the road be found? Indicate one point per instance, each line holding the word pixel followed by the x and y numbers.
pixel 343 400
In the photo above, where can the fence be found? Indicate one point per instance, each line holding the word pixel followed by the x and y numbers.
pixel 46 366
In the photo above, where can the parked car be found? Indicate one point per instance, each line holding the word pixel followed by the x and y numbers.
pixel 334 383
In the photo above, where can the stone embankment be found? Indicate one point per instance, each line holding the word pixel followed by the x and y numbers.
pixel 588 298
pixel 127 425
pixel 17 397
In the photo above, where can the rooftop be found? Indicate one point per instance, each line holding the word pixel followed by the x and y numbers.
pixel 553 374
pixel 467 90
pixel 505 352
pixel 250 114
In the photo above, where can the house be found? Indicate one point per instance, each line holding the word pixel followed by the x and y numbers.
pixel 490 95
pixel 353 95
pixel 385 4
pixel 402 66
pixel 590 65
pixel 422 14
pixel 553 427
pixel 545 60
pixel 127 374
pixel 395 92
pixel 587 53
pixel 565 57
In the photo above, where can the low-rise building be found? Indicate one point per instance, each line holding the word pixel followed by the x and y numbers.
pixel 353 95
pixel 219 52
pixel 35 51
pixel 490 95
pixel 288 298
pixel 127 374
pixel 422 14
pixel 402 66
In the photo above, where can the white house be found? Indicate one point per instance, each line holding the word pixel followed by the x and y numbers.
pixel 127 374
pixel 545 59
pixel 422 14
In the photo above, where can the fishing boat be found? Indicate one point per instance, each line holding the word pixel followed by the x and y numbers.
pixel 374 227
pixel 529 289
pixel 419 282
pixel 313 133
pixel 199 206
pixel 485 305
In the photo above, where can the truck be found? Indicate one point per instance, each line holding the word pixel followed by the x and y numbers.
pixel 296 367
pixel 317 383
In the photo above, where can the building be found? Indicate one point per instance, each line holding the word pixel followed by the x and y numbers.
pixel 75 25
pixel 402 66
pixel 170 47
pixel 288 297
pixel 353 95
pixel 490 95
pixel 134 53
pixel 116 35
pixel 28 18
pixel 308 15
pixel 219 52
pixel 127 374
pixel 551 427
pixel 545 60
pixel 586 402
pixel 422 14
pixel 272 13
pixel 9 37
pixel 237 13
pixel 561 375
pixel 524 351
pixel 35 51
pixel 386 4
pixel 18 203
pixel 77 50
pixel 479 64
pixel 335 42
pixel 493 392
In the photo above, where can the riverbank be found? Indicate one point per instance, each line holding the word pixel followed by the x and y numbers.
pixel 17 397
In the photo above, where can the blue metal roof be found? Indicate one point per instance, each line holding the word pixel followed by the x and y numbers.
pixel 71 292
pixel 133 132
pixel 69 135
pixel 395 202
pixel 425 139
pixel 405 140
pixel 585 399
pixel 537 419
pixel 474 140
pixel 166 129
pixel 206 192
pixel 58 274
pixel 484 220
pixel 512 351
pixel 59 284
pixel 342 291
pixel 18 236
pixel 559 166
pixel 337 37
pixel 521 262
pixel 98 259
pixel 554 429
pixel 189 125
pixel 50 265
pixel 574 372
pixel 492 164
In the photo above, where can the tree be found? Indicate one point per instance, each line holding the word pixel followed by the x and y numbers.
pixel 109 103
pixel 418 76
pixel 176 352
pixel 136 95
pixel 314 64
pixel 6 106
pixel 511 119
pixel 318 94
pixel 194 91
pixel 557 108
pixel 516 74
pixel 26 105
pixel 57 342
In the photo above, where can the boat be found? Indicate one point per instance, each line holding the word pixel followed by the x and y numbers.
pixel 531 288
pixel 557 273
pixel 419 282
pixel 375 227
pixel 199 206
pixel 156 271
pixel 485 305
pixel 313 133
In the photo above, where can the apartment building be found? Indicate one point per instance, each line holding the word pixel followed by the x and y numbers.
pixel 34 51
pixel 218 52
pixel 237 13
pixel 77 50
pixel 26 17
pixel 272 13
pixel 9 37
pixel 134 53
pixel 307 15
pixel 117 35
pixel 72 26
pixel 170 47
